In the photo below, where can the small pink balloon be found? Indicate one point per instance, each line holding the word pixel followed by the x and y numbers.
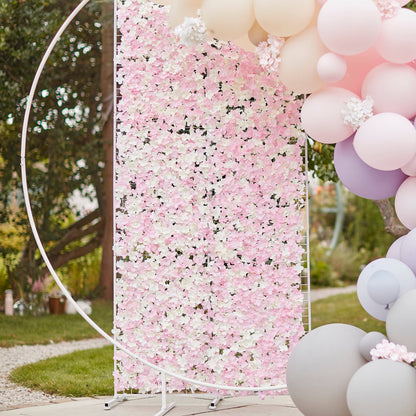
pixel 322 118
pixel 405 203
pixel 393 89
pixel 386 141
pixel 397 40
pixel 331 67
pixel 358 66
pixel 349 27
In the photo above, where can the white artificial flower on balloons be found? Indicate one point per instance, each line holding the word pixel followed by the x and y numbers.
pixel 357 111
pixel 192 31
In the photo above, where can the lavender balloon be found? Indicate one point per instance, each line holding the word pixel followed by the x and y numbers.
pixel 361 179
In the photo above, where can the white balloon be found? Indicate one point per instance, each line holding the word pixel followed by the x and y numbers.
pixel 383 388
pixel 401 272
pixel 368 342
pixel 401 321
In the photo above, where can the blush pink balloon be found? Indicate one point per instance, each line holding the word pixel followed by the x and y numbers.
pixel 349 27
pixel 358 66
pixel 331 67
pixel 321 115
pixel 405 203
pixel 397 40
pixel 386 141
pixel 410 167
pixel 393 89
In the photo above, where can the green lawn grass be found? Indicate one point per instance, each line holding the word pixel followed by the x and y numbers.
pixel 345 309
pixel 32 330
pixel 79 374
pixel 87 373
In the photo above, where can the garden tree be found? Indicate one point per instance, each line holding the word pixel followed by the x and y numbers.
pixel 70 134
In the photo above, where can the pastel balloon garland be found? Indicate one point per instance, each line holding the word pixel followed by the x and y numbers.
pixel 357 60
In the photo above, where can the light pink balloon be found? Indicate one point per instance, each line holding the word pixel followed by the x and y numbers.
pixel 410 167
pixel 405 203
pixel 386 141
pixel 393 89
pixel 394 250
pixel 321 115
pixel 349 27
pixel 397 40
pixel 358 66
pixel 331 67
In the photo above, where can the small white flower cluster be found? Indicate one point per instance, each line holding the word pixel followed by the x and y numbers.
pixel 387 8
pixel 268 53
pixel 357 111
pixel 192 31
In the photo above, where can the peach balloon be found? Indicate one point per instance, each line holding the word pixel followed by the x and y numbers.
pixel 386 141
pixel 349 27
pixel 358 66
pixel 181 9
pixel 245 43
pixel 284 17
pixel 331 67
pixel 257 34
pixel 393 89
pixel 299 57
pixel 405 203
pixel 163 2
pixel 321 115
pixel 397 41
pixel 229 19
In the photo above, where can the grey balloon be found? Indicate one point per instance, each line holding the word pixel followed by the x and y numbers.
pixel 320 368
pixel 383 388
pixel 368 342
pixel 401 321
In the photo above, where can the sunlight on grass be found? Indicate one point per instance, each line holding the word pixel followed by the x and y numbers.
pixel 344 308
pixel 81 373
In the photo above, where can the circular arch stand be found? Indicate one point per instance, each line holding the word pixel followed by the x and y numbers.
pixel 163 372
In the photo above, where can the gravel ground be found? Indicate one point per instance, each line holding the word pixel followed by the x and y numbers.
pixel 13 395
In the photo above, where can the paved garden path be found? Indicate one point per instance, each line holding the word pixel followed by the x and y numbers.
pixel 12 394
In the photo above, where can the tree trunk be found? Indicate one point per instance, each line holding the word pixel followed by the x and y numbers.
pixel 106 277
pixel 392 224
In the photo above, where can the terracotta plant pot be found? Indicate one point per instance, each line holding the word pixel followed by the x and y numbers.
pixel 57 305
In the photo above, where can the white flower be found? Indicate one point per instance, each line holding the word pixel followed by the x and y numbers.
pixel 192 31
pixel 387 8
pixel 357 111
pixel 268 53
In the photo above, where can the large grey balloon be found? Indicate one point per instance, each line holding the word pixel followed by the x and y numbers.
pixel 401 321
pixel 320 368
pixel 368 342
pixel 383 388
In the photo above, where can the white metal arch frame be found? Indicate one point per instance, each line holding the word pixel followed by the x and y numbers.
pixel 42 251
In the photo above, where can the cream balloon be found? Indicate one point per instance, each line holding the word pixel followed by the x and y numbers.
pixel 181 9
pixel 299 58
pixel 163 2
pixel 284 17
pixel 245 43
pixel 228 20
pixel 257 34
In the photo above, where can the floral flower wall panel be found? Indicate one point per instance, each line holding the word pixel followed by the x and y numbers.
pixel 209 189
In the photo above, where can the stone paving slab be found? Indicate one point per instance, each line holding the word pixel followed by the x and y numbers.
pixel 184 406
